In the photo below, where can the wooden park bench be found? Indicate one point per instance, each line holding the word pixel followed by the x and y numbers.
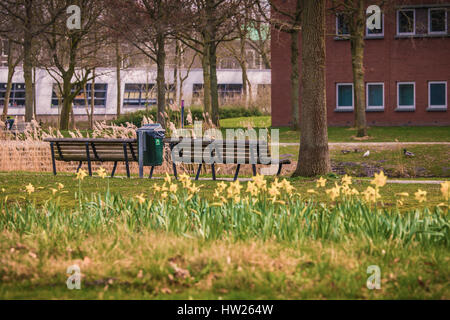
pixel 94 150
pixel 241 152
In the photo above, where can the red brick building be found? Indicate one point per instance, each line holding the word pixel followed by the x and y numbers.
pixel 407 68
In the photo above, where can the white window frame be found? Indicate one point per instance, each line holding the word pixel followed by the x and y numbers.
pixel 376 34
pixel 398 23
pixel 374 108
pixel 345 108
pixel 430 107
pixel 337 27
pixel 406 108
pixel 429 21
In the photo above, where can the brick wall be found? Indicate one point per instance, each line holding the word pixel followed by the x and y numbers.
pixel 389 60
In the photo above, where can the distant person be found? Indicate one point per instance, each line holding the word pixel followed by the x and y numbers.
pixel 9 123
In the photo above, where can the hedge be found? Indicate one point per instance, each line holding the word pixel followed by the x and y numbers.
pixel 197 114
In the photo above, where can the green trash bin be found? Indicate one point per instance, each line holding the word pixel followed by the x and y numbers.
pixel 151 146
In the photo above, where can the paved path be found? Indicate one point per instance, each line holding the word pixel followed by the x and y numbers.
pixel 372 144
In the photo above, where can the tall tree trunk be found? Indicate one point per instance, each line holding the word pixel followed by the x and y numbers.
pixel 176 69
pixel 28 76
pixel 314 154
pixel 214 85
pixel 160 78
pixel 295 81
pixel 357 50
pixel 66 105
pixel 118 78
pixel 206 80
pixel 91 120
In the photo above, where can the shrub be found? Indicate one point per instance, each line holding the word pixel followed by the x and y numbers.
pixel 226 112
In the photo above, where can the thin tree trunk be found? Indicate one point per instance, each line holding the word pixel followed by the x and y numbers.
pixel 160 79
pixel 357 50
pixel 67 104
pixel 206 81
pixel 91 120
pixel 314 154
pixel 118 78
pixel 295 81
pixel 176 70
pixel 214 85
pixel 28 76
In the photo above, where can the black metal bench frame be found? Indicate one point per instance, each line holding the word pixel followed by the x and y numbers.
pixel 89 159
pixel 172 144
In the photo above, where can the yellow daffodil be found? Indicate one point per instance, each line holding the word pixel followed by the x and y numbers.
pixel 29 189
pixel 287 186
pixel 445 190
pixel 217 193
pixel 3 190
pixel 54 191
pixel 421 196
pixel 140 198
pixel 222 186
pixel 193 189
pixel 81 174
pixel 355 192
pixel 60 186
pixel 101 172
pixel 173 188
pixel 273 191
pixel 252 189
pixel 371 195
pixel 311 191
pixel 333 193
pixel 260 182
pixel 379 180
pixel 346 180
pixel 168 179
pixel 321 182
pixel 164 195
pixel 402 194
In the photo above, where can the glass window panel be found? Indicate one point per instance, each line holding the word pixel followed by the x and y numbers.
pixel 345 96
pixel 406 95
pixel 342 27
pixel 438 20
pixel 406 21
pixel 375 95
pixel 437 94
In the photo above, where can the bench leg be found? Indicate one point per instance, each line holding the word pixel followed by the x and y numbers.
pixel 88 156
pixel 213 169
pixel 279 169
pixel 198 172
pixel 114 169
pixel 254 169
pixel 237 172
pixel 79 166
pixel 127 164
pixel 52 147
pixel 174 166
pixel 151 173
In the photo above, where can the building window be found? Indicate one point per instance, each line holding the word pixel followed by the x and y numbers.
pixel 139 95
pixel 226 91
pixel 406 22
pixel 342 28
pixel 344 97
pixel 17 96
pixel 406 96
pixel 83 98
pixel 375 96
pixel 437 19
pixel 376 32
pixel 3 48
pixel 437 95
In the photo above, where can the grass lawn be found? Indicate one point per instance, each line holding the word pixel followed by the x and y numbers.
pixel 429 161
pixel 345 134
pixel 127 250
pixel 14 185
